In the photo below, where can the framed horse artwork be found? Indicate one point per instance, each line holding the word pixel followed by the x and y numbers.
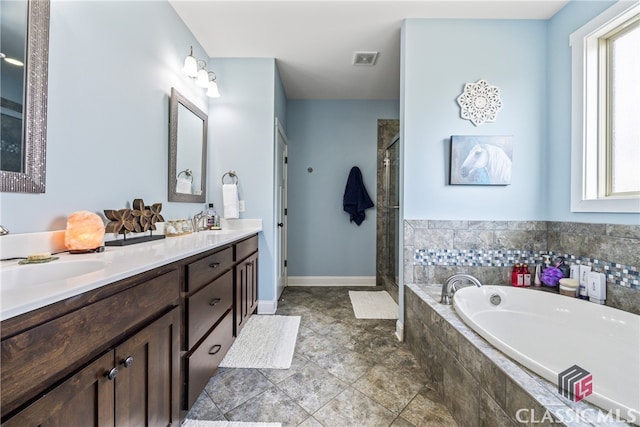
pixel 481 160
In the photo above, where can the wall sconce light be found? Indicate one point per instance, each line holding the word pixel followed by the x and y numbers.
pixel 197 70
pixel 212 91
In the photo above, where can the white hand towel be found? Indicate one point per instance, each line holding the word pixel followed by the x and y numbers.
pixel 183 186
pixel 230 200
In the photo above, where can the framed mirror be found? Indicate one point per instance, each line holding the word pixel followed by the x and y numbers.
pixel 24 38
pixel 187 150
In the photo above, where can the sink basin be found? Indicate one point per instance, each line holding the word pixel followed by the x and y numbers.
pixel 31 275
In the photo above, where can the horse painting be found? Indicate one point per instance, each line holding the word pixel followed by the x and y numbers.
pixel 485 163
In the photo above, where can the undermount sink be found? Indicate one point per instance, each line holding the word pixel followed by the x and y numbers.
pixel 31 275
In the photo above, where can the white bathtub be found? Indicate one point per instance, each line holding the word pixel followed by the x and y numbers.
pixel 549 333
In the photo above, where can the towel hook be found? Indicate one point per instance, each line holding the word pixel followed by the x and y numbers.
pixel 188 173
pixel 232 174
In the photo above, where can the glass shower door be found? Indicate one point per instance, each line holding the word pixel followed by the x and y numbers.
pixel 392 210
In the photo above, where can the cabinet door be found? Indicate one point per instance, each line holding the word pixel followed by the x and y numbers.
pixel 147 385
pixel 85 399
pixel 246 291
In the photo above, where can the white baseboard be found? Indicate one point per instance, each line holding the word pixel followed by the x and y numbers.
pixel 267 307
pixel 331 281
pixel 400 330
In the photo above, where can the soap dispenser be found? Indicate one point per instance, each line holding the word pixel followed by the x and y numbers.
pixel 597 287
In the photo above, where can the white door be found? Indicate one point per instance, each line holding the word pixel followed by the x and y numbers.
pixel 281 209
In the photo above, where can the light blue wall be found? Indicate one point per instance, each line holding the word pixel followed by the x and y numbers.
pixel 560 27
pixel 440 56
pixel 241 135
pixel 281 100
pixel 111 69
pixel 331 137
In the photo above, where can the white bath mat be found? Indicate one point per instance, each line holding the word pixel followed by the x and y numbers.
pixel 203 423
pixel 373 305
pixel 265 342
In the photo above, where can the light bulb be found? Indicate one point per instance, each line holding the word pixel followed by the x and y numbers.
pixel 203 78
pixel 213 92
pixel 190 65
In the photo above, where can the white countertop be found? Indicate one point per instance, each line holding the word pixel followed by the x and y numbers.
pixel 118 262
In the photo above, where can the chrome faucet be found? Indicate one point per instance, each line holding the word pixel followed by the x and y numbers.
pixel 452 283
pixel 197 219
pixel 3 231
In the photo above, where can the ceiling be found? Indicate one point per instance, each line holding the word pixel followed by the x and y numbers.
pixel 314 41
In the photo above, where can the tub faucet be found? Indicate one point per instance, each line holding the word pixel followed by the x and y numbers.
pixel 452 283
pixel 3 231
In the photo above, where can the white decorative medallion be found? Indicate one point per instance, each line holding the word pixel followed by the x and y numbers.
pixel 479 102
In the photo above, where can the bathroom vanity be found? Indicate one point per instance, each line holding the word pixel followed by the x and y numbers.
pixel 133 343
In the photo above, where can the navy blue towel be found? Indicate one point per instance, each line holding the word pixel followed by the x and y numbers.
pixel 356 199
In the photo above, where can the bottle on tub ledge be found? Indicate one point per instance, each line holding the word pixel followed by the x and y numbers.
pixel 536 276
pixel 526 276
pixel 517 275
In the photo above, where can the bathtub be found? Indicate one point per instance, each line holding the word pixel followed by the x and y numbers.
pixel 548 333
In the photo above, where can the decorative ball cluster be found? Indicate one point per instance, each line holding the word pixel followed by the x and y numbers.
pixel 139 219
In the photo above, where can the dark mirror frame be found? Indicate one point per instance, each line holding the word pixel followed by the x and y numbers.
pixel 34 117
pixel 176 99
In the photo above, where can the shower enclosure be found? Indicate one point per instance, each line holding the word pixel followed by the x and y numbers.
pixel 392 213
pixel 388 209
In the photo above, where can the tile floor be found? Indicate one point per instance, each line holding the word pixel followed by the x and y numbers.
pixel 345 372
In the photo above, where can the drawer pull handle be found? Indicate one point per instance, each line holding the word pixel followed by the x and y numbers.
pixel 127 362
pixel 111 374
pixel 214 301
pixel 214 265
pixel 215 349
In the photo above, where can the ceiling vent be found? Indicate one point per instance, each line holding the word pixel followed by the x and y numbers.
pixel 365 58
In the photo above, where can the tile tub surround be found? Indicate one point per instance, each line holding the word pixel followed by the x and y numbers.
pixel 436 249
pixel 479 385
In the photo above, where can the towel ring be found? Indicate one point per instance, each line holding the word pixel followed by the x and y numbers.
pixel 232 175
pixel 188 173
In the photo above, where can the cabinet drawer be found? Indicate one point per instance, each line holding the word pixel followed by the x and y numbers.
pixel 207 306
pixel 38 357
pixel 202 364
pixel 246 248
pixel 205 270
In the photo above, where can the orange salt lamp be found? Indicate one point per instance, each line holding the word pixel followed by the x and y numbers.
pixel 85 232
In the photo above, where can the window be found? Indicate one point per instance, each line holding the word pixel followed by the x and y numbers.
pixel 605 150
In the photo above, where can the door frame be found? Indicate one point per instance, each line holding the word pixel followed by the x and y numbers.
pixel 280 203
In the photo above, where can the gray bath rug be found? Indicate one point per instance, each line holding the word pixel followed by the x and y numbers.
pixel 373 305
pixel 203 423
pixel 265 342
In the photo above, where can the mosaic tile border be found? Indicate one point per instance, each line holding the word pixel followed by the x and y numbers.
pixel 619 274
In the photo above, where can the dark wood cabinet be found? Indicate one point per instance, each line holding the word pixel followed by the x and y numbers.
pixel 246 291
pixel 246 283
pixel 208 302
pixel 147 385
pixel 131 353
pixel 114 361
pixel 85 399
pixel 220 293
